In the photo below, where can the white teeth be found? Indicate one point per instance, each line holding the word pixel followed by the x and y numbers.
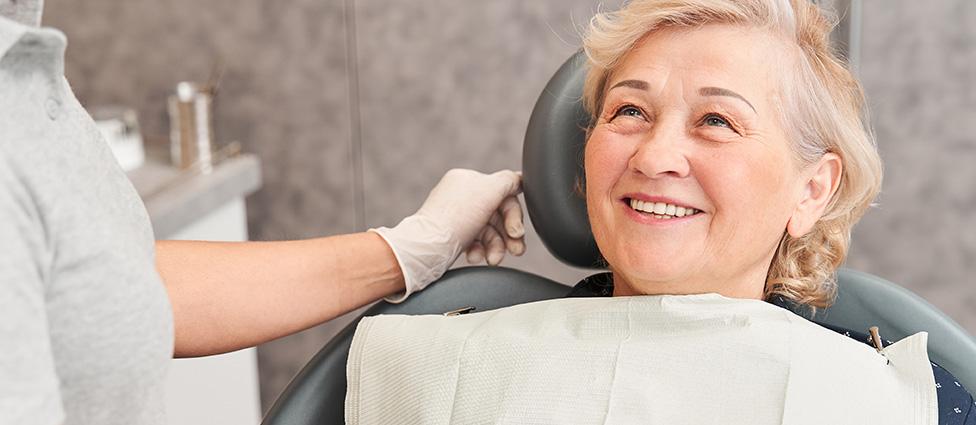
pixel 661 210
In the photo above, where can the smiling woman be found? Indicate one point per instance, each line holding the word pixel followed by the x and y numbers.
pixel 739 113
pixel 728 153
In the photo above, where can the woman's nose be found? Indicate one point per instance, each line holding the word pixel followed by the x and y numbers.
pixel 662 154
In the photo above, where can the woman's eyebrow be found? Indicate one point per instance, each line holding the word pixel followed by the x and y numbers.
pixel 634 84
pixel 704 91
pixel 718 91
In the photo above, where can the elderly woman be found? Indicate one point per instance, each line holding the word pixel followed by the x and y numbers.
pixel 727 154
pixel 726 161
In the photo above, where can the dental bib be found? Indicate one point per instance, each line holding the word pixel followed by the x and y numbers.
pixel 693 359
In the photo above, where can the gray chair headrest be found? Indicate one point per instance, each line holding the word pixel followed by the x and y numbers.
pixel 552 160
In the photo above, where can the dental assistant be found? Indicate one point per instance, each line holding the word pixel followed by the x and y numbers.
pixel 92 309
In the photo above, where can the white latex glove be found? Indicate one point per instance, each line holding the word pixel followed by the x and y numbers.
pixel 466 211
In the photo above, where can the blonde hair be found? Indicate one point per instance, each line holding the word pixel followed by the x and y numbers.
pixel 822 109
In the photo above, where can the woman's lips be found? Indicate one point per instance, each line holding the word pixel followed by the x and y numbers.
pixel 660 212
pixel 639 196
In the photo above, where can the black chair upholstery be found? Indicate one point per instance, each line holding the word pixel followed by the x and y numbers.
pixel 552 160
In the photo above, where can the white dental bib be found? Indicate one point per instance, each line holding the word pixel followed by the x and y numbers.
pixel 695 359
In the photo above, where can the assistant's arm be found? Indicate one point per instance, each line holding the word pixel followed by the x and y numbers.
pixel 231 295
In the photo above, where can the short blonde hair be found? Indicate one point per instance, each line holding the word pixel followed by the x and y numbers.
pixel 822 110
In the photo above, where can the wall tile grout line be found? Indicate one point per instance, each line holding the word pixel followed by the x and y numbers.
pixel 355 120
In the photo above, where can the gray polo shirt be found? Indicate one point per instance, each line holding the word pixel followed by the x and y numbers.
pixel 86 331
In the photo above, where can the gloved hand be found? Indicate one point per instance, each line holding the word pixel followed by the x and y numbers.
pixel 467 210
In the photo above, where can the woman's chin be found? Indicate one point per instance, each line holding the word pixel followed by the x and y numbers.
pixel 657 264
pixel 658 277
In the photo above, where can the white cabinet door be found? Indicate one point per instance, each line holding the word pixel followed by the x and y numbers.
pixel 215 390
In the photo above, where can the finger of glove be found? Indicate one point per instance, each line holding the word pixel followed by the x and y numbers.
pixel 460 187
pixel 464 200
pixel 511 182
pixel 516 246
pixel 475 252
pixel 494 245
pixel 511 210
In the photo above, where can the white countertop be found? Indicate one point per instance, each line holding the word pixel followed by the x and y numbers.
pixel 175 199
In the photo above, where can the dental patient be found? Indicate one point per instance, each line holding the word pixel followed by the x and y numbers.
pixel 726 162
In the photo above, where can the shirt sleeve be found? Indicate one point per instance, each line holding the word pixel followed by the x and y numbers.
pixel 29 386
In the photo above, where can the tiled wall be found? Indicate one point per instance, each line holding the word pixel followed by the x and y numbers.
pixel 919 70
pixel 356 108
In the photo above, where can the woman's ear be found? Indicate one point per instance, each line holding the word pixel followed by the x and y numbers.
pixel 821 181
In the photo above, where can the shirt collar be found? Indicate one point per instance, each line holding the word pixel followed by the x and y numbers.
pixel 19 21
pixel 10 33
pixel 27 12
pixel 16 18
pixel 43 47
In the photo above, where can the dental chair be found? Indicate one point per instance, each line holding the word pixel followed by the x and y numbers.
pixel 552 159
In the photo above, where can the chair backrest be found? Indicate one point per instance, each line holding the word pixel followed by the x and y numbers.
pixel 551 163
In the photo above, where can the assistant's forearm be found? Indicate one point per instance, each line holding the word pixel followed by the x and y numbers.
pixel 232 295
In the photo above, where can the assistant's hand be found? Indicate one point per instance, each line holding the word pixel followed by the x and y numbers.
pixel 467 210
pixel 482 210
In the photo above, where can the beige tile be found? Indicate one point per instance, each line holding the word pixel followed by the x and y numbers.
pixel 919 61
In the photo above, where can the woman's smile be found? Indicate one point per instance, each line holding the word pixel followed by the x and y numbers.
pixel 655 210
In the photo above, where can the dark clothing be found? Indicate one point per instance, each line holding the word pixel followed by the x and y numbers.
pixel 956 405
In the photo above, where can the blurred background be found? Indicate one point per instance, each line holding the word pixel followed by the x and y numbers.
pixel 354 109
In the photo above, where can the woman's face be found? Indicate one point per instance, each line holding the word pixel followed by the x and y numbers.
pixel 690 177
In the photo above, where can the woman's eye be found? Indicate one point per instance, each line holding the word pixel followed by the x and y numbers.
pixel 629 111
pixel 716 121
